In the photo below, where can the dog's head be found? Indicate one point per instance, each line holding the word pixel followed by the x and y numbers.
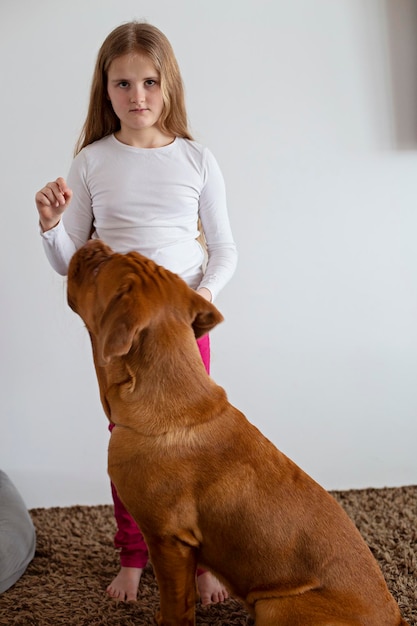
pixel 119 295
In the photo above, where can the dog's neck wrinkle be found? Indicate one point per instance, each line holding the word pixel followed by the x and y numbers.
pixel 153 415
pixel 157 408
pixel 154 380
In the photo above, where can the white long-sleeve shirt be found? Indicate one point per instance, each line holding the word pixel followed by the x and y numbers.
pixel 149 200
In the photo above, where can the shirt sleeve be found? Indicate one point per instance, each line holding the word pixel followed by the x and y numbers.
pixel 74 229
pixel 58 247
pixel 221 248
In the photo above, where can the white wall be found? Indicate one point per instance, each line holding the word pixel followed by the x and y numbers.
pixel 319 346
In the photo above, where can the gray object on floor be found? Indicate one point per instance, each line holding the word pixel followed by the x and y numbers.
pixel 17 534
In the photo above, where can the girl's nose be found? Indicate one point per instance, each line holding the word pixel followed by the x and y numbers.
pixel 137 95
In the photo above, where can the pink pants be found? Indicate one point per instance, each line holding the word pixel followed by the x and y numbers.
pixel 128 538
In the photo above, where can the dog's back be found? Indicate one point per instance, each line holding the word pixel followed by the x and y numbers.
pixel 295 543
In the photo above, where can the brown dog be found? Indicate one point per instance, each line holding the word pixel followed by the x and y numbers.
pixel 204 485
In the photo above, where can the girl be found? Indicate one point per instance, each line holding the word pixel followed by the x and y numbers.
pixel 139 182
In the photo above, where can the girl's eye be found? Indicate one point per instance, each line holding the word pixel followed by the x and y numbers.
pixel 150 82
pixel 123 84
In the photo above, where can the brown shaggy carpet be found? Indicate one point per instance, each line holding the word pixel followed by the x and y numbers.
pixel 75 560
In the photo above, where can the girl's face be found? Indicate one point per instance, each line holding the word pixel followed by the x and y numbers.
pixel 134 90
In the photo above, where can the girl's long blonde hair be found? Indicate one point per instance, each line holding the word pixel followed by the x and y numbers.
pixel 142 38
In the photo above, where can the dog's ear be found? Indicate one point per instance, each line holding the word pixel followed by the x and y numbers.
pixel 122 321
pixel 205 316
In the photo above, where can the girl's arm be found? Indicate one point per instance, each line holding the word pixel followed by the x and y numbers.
pixel 221 248
pixel 73 229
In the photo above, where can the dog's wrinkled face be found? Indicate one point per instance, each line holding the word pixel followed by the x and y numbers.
pixel 118 295
pixel 82 273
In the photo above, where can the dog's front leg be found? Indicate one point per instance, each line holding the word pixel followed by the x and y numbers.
pixel 175 566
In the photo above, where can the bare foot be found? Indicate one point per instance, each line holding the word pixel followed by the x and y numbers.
pixel 126 584
pixel 211 590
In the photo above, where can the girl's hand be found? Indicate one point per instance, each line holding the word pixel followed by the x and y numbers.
pixel 51 202
pixel 205 293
